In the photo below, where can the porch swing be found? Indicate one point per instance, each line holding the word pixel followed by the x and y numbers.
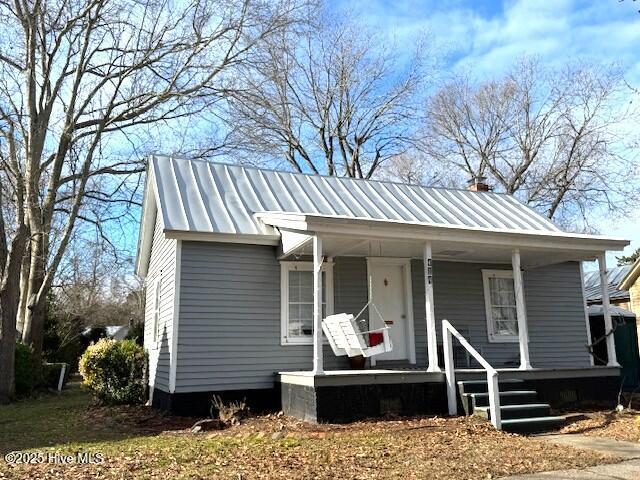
pixel 352 336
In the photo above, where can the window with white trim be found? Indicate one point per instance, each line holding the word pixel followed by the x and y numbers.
pixel 296 291
pixel 156 309
pixel 500 304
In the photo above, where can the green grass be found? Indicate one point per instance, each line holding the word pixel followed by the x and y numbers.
pixel 51 420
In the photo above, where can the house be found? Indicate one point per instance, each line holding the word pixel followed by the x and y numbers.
pixel 620 281
pixel 630 283
pixel 617 296
pixel 242 264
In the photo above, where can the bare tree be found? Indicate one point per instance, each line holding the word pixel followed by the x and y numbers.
pixel 77 79
pixel 552 137
pixel 329 99
pixel 94 284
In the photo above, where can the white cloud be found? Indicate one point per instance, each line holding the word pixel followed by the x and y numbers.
pixel 485 40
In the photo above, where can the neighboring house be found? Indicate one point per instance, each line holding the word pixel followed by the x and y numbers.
pixel 617 296
pixel 631 283
pixel 619 290
pixel 241 265
pixel 117 332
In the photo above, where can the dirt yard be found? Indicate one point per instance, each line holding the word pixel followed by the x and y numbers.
pixel 137 442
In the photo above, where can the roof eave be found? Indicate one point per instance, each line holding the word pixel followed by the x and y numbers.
pixel 147 223
pixel 250 239
pixel 400 229
pixel 631 276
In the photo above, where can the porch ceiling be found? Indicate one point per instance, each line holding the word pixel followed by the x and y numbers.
pixel 336 246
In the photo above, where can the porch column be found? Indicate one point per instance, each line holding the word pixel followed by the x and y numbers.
pixel 432 342
pixel 521 311
pixel 318 368
pixel 606 312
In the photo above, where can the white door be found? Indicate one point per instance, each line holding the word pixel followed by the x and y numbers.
pixel 389 295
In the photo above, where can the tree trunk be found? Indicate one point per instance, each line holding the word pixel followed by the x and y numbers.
pixel 33 331
pixel 7 343
pixel 9 298
pixel 24 289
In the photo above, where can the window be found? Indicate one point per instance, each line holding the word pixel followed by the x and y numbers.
pixel 156 309
pixel 296 293
pixel 500 304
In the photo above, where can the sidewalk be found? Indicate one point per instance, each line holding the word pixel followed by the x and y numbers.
pixel 628 469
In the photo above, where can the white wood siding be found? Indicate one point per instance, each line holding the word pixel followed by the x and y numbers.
pixel 162 264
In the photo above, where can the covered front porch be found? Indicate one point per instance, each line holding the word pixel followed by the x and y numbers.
pixel 542 270
pixel 339 396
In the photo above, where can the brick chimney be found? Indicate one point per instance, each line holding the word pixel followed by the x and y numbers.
pixel 478 183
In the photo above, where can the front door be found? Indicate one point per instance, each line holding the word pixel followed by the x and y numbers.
pixel 389 292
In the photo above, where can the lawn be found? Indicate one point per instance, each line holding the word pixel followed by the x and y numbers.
pixel 141 443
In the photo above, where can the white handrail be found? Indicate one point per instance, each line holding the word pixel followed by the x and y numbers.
pixel 450 373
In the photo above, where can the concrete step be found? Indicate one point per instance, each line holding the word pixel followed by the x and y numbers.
pixel 532 424
pixel 480 386
pixel 508 412
pixel 515 397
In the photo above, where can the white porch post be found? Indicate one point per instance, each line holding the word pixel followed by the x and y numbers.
pixel 318 368
pixel 521 311
pixel 606 312
pixel 432 342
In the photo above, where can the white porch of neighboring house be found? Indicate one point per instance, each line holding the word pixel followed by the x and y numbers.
pixel 389 248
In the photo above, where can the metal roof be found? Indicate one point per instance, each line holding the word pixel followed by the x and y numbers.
pixel 206 197
pixel 596 311
pixel 614 276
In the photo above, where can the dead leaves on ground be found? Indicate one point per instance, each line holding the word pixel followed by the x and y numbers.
pixel 278 447
pixel 612 424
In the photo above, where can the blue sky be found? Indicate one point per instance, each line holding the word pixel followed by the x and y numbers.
pixel 485 38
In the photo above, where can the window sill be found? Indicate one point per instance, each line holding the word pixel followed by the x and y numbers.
pixel 288 342
pixel 500 339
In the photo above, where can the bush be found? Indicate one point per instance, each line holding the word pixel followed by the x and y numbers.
pixel 114 370
pixel 28 370
pixel 136 332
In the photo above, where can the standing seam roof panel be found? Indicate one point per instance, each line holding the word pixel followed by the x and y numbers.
pixel 271 204
pixel 392 198
pixel 238 204
pixel 467 209
pixel 244 186
pixel 195 196
pixel 320 195
pixel 432 212
pixel 489 205
pixel 299 194
pixel 324 186
pixel 411 205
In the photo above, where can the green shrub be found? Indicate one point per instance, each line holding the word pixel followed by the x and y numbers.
pixel 114 370
pixel 136 332
pixel 28 370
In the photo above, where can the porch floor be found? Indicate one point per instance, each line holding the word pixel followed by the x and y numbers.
pixel 374 376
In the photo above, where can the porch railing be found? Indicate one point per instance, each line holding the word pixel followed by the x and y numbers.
pixel 449 331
